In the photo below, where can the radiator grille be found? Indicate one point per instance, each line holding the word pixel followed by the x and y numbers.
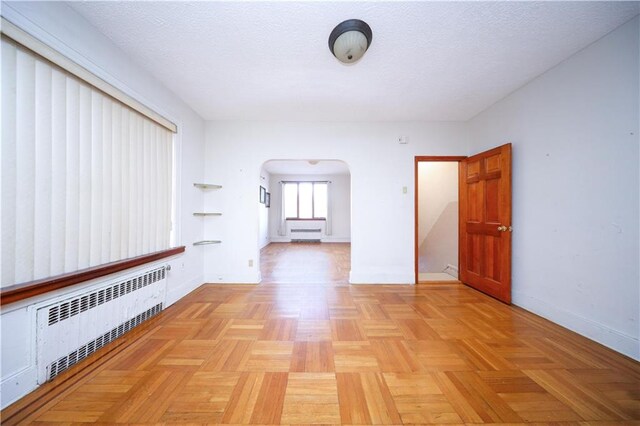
pixel 87 349
pixel 306 235
pixel 72 329
pixel 68 309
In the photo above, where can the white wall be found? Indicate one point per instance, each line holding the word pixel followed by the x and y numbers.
pixel 264 213
pixel 437 215
pixel 382 234
pixel 340 206
pixel 575 189
pixel 62 28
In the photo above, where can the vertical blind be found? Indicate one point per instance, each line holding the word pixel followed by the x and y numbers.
pixel 86 180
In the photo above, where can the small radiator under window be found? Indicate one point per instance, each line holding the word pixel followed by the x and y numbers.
pixel 306 235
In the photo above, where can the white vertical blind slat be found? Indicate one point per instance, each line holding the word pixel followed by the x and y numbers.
pixel 43 169
pixel 116 182
pixel 72 221
pixel 125 185
pixel 84 169
pixel 160 201
pixel 8 159
pixel 133 190
pixel 85 179
pixel 145 163
pixel 140 188
pixel 25 166
pixel 96 179
pixel 107 193
pixel 153 196
pixel 169 203
pixel 58 209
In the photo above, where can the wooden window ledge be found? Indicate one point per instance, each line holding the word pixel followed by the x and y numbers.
pixel 26 290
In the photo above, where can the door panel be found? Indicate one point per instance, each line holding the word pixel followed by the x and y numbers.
pixel 485 222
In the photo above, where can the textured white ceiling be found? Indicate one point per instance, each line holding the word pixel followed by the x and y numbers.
pixel 303 167
pixel 428 60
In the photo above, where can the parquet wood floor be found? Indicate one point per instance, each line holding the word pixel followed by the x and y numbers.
pixel 323 352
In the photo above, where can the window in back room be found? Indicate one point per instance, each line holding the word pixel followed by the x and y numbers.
pixel 305 200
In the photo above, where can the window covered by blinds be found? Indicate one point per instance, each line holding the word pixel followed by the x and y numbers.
pixel 86 180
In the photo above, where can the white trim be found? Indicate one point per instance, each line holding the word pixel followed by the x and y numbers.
pixel 25 39
pixel 380 277
pixel 247 278
pixel 176 293
pixel 18 385
pixel 601 333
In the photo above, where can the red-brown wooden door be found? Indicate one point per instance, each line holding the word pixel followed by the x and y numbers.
pixel 485 222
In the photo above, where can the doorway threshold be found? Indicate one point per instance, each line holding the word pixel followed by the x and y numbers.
pixel 435 276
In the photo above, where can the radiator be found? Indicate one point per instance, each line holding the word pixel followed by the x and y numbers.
pixel 306 235
pixel 72 329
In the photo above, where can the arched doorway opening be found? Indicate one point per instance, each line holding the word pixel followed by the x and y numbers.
pixel 305 221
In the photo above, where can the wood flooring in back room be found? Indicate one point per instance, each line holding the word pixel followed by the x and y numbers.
pixel 305 347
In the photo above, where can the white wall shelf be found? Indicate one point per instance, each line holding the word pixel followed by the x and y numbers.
pixel 207 186
pixel 203 214
pixel 206 242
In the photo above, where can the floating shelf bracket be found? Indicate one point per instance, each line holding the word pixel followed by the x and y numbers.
pixel 207 186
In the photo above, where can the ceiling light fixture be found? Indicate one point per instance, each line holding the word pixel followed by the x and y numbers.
pixel 349 40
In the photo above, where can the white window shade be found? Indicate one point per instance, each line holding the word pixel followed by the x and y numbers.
pixel 86 180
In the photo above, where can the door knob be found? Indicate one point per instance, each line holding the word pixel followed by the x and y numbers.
pixel 502 228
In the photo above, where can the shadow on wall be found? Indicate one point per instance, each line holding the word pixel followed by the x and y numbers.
pixel 440 247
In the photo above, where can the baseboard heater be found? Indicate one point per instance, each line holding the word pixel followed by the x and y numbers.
pixel 306 235
pixel 72 329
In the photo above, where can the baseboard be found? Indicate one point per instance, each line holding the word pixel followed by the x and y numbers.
pixel 280 239
pixel 380 277
pixel 176 293
pixel 601 333
pixel 325 239
pixel 250 278
pixel 18 385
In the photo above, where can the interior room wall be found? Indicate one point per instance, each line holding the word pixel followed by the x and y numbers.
pixel 340 206
pixel 438 215
pixel 81 42
pixel 264 213
pixel 382 226
pixel 575 141
pixel 575 184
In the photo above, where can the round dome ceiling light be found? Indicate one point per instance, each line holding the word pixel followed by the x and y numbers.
pixel 349 40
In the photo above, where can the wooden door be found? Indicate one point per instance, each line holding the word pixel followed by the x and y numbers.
pixel 485 222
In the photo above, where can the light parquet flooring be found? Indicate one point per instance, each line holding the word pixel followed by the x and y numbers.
pixel 324 352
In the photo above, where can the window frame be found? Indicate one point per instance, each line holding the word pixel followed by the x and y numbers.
pixel 313 199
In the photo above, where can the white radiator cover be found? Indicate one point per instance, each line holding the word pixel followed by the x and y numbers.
pixel 306 231
pixel 71 329
pixel 305 234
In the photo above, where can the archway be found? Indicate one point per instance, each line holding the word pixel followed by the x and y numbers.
pixel 304 230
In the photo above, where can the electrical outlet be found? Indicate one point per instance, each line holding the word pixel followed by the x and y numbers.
pixel 404 189
pixel 250 263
